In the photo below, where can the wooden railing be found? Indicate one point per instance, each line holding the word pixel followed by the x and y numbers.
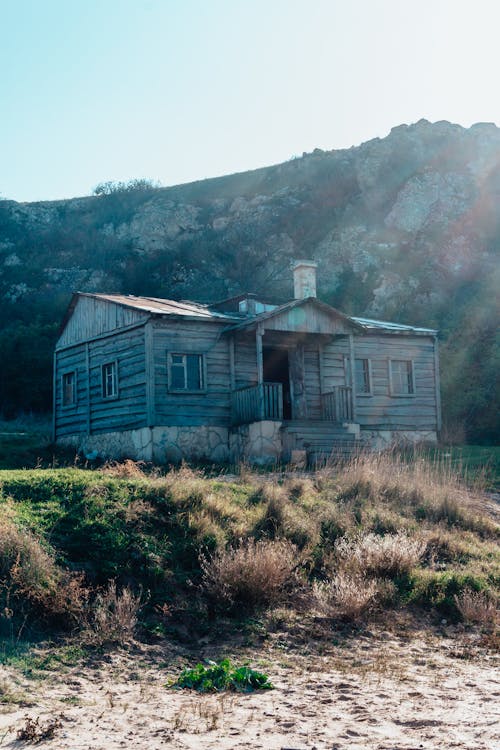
pixel 257 402
pixel 336 406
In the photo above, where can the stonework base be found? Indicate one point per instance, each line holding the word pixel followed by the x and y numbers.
pixel 379 440
pixel 164 445
pixel 135 444
pixel 258 443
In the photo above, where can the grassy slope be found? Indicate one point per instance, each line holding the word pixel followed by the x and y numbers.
pixel 149 531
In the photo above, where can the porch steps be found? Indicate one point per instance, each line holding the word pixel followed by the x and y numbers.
pixel 323 441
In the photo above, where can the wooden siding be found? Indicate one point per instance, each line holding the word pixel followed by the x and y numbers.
pixel 383 410
pixel 312 381
pixel 93 317
pixel 97 415
pixel 332 363
pixel 245 362
pixel 307 318
pixel 212 406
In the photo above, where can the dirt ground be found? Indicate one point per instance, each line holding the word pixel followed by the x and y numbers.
pixel 380 690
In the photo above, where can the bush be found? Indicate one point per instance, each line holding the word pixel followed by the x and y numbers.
pixel 252 574
pixel 31 583
pixel 345 596
pixel 223 676
pixel 477 606
pixel 390 555
pixel 112 617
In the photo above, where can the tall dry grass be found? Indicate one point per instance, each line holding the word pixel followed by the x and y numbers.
pixel 254 573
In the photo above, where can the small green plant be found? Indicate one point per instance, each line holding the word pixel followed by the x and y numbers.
pixel 222 675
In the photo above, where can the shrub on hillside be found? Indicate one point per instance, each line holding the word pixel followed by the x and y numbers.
pixel 31 583
pixel 345 596
pixel 477 606
pixel 251 574
pixel 112 617
pixel 372 555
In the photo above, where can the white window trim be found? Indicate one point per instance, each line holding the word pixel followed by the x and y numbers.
pixel 75 402
pixel 391 388
pixel 369 393
pixel 203 373
pixel 116 395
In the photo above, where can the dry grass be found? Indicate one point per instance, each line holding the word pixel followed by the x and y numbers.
pixel 345 596
pixel 478 606
pixel 251 574
pixel 112 618
pixel 32 583
pixel 373 555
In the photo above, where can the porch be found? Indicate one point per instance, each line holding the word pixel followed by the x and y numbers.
pixel 265 401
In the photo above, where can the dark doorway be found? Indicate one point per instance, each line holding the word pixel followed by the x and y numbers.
pixel 276 370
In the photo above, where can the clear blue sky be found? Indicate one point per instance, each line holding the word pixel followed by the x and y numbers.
pixel 178 90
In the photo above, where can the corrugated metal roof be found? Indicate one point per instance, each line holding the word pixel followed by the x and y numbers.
pixel 384 324
pixel 162 306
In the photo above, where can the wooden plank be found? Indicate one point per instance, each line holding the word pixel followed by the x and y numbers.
pixel 54 397
pixel 231 363
pixel 352 383
pixel 87 388
pixel 149 373
pixel 437 382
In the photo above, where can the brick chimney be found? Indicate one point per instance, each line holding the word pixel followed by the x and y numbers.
pixel 304 278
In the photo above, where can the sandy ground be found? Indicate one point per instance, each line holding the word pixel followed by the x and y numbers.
pixel 383 691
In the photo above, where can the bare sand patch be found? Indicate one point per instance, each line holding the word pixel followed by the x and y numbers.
pixel 379 690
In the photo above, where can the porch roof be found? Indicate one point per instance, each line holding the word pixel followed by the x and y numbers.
pixel 313 303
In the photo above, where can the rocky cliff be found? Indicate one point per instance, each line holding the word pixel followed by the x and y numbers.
pixel 406 227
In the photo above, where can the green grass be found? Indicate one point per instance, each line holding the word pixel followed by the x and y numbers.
pixel 477 464
pixel 148 531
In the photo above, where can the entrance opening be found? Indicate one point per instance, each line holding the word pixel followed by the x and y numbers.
pixel 276 370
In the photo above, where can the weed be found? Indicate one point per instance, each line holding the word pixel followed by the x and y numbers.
pixel 372 555
pixel 35 731
pixel 222 676
pixel 112 617
pixel 345 596
pixel 251 574
pixel 477 606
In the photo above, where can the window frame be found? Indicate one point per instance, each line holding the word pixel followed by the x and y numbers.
pixel 392 393
pixel 116 394
pixel 369 392
pixel 202 372
pixel 75 389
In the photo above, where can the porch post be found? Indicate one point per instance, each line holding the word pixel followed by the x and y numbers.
pixel 353 377
pixel 260 369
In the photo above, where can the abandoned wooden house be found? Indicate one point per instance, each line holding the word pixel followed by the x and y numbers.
pixel 162 381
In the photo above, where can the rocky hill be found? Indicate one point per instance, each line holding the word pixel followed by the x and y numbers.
pixel 406 228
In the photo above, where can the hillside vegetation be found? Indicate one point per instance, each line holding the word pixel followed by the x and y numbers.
pixel 111 552
pixel 404 228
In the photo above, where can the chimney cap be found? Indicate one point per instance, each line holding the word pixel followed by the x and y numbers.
pixel 309 263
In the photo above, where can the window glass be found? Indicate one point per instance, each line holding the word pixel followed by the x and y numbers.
pixel 362 375
pixel 401 376
pixel 186 372
pixel 68 388
pixel 109 381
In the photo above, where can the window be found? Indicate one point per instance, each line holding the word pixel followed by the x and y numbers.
pixel 109 380
pixel 362 379
pixel 401 377
pixel 186 372
pixel 69 388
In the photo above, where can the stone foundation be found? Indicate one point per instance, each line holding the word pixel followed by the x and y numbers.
pixel 257 443
pixel 163 445
pixel 135 444
pixel 379 440
pixel 201 443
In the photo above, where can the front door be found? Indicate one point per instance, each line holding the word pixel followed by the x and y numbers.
pixel 276 369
